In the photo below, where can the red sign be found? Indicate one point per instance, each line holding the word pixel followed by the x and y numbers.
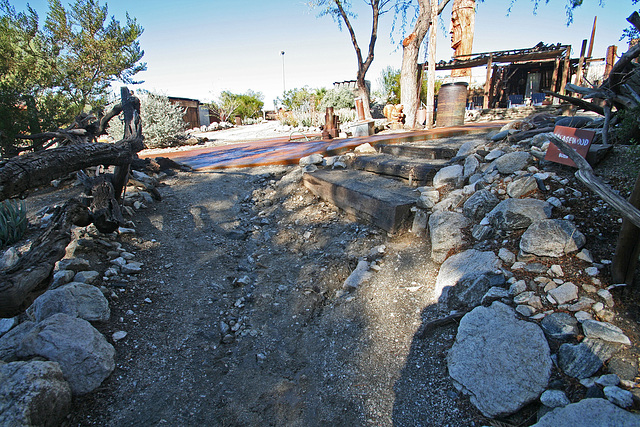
pixel 578 139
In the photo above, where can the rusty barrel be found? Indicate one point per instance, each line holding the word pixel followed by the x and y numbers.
pixel 452 101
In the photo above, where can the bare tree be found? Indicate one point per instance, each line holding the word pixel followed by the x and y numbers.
pixel 341 12
pixel 409 84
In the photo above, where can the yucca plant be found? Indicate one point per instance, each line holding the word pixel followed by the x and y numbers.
pixel 13 221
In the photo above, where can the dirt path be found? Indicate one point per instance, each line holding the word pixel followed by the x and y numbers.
pixel 237 318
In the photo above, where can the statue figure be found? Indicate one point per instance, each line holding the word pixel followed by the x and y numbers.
pixel 463 16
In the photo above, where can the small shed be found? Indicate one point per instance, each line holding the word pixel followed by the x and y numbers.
pixel 191 115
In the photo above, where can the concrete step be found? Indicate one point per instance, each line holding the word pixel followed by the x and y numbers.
pixel 418 151
pixel 383 202
pixel 416 170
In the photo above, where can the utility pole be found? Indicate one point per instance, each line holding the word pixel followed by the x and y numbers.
pixel 284 89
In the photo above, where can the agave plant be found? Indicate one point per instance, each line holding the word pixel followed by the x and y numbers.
pixel 13 221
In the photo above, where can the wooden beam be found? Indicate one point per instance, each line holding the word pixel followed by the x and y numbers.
pixel 565 70
pixel 593 37
pixel 487 84
pixel 610 60
pixel 581 63
pixel 578 102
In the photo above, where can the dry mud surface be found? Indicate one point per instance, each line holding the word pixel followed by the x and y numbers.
pixel 267 261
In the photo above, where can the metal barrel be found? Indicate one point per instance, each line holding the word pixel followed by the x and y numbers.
pixel 452 101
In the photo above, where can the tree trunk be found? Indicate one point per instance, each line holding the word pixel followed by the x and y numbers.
pixel 364 94
pixel 625 259
pixel 22 283
pixel 36 169
pixel 409 97
pixel 363 64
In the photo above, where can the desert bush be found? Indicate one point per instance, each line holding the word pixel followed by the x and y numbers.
pixel 162 121
pixel 13 221
pixel 338 98
pixel 246 105
pixel 302 99
pixel 346 115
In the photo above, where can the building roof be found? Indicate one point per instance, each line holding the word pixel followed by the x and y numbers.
pixel 538 53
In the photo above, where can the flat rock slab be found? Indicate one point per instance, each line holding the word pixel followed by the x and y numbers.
pixel 419 170
pixel 502 362
pixel 383 202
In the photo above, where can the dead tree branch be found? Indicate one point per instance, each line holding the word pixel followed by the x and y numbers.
pixel 22 283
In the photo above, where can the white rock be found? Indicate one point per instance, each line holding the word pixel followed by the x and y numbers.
pixel 592 271
pixel 117 336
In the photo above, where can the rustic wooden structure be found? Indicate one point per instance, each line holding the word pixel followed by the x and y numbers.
pixel 22 283
pixel 518 71
pixel 191 115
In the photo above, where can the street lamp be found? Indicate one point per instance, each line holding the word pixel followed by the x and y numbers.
pixel 283 86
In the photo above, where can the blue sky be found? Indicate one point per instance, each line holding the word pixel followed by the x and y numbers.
pixel 196 49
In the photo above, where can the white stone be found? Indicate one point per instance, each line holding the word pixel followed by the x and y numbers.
pixel 564 293
pixel 117 336
pixel 592 271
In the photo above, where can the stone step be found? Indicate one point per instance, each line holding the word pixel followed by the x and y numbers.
pixel 418 151
pixel 383 202
pixel 417 170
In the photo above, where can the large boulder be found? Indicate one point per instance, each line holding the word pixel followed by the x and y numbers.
pixel 514 214
pixel 445 229
pixel 75 299
pixel 589 412
pixel 552 238
pixel 33 394
pixel 85 356
pixel 502 362
pixel 466 277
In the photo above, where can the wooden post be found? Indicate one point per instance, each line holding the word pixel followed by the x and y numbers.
pixel 583 51
pixel 593 36
pixel 495 79
pixel 554 77
pixel 431 66
pixel 132 129
pixel 487 84
pixel 330 130
pixel 610 60
pixel 565 70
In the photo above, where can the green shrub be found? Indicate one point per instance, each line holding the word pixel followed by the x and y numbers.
pixel 341 98
pixel 13 221
pixel 162 122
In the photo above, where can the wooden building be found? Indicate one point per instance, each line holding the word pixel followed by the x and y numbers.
pixel 515 76
pixel 191 115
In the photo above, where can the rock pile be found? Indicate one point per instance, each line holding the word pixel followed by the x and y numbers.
pixel 58 326
pixel 502 229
